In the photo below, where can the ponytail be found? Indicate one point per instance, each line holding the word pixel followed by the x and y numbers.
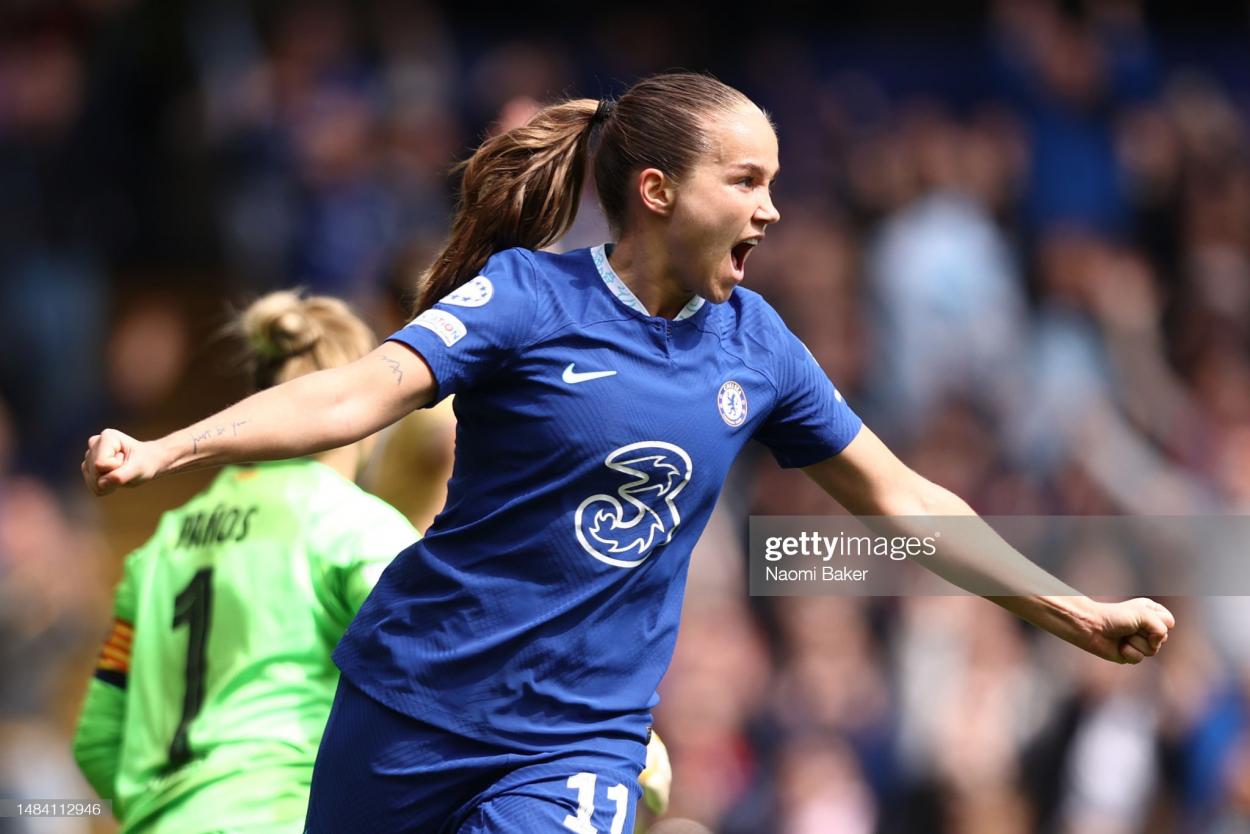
pixel 520 188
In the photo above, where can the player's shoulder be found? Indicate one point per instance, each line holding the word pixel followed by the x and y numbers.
pixel 749 302
pixel 375 513
pixel 562 287
pixel 326 486
pixel 748 314
pixel 572 261
pixel 750 328
pixel 521 272
pixel 344 504
pixel 539 266
pixel 556 270
pixel 507 277
pixel 516 263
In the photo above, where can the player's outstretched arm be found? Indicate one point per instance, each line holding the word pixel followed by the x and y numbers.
pixel 309 414
pixel 869 480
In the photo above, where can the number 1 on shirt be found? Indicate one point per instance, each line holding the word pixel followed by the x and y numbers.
pixel 192 607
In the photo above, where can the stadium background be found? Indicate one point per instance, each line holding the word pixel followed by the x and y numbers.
pixel 1017 234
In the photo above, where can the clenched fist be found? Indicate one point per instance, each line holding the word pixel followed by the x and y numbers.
pixel 1129 632
pixel 115 459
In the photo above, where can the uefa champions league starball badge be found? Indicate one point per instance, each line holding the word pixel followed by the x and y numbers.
pixel 731 402
pixel 475 293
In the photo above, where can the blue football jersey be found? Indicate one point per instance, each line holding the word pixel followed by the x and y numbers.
pixel 593 439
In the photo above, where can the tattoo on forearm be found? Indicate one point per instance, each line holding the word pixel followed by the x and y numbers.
pixel 219 431
pixel 196 438
pixel 395 369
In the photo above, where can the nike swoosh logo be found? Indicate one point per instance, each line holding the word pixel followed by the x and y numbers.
pixel 572 377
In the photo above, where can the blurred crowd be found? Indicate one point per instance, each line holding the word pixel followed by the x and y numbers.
pixel 1020 245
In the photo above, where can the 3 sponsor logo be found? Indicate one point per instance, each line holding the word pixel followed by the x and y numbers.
pixel 624 528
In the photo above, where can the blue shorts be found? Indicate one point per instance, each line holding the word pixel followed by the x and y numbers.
pixel 381 771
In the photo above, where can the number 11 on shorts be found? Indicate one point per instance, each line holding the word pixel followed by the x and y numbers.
pixel 584 784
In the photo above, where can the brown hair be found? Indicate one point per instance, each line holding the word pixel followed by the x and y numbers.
pixel 289 336
pixel 522 187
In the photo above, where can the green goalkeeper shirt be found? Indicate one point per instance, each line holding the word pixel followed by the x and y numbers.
pixel 213 689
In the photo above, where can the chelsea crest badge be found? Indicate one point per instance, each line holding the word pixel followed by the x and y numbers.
pixel 731 402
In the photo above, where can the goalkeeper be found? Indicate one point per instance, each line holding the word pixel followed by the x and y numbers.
pixel 212 691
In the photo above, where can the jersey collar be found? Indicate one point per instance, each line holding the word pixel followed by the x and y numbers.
pixel 624 294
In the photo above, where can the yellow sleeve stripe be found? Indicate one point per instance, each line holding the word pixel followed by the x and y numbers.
pixel 106 665
pixel 115 653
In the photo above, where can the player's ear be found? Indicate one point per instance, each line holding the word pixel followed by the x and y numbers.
pixel 657 191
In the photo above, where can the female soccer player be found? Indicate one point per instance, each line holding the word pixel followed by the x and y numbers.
pixel 212 691
pixel 500 677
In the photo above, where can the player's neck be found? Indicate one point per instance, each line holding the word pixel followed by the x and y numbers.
pixel 644 269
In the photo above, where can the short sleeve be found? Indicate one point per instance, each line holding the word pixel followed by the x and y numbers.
pixel 810 421
pixel 468 334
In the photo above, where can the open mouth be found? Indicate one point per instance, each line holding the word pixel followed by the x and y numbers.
pixel 738 255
